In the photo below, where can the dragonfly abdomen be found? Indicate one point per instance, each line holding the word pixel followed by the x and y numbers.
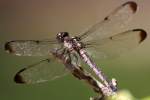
pixel 97 71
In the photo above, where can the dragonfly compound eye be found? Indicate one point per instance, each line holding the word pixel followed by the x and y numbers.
pixel 61 35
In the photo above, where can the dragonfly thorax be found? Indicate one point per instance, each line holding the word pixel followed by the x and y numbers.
pixel 72 43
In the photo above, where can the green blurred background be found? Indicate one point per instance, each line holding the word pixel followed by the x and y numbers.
pixel 42 19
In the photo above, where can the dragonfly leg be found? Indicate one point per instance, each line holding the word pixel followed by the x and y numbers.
pixel 98 98
pixel 48 60
pixel 58 49
pixel 76 59
pixel 68 56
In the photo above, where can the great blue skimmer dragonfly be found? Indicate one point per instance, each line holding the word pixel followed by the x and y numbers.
pixel 103 39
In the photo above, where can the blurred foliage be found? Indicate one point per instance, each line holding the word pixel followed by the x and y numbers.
pixel 122 95
pixel 147 98
pixel 125 95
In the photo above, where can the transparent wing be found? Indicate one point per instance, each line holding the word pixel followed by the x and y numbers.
pixel 112 24
pixel 42 71
pixel 117 44
pixel 31 47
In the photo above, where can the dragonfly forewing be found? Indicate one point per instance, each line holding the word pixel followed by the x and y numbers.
pixel 112 24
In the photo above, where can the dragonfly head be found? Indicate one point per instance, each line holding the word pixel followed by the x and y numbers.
pixel 61 35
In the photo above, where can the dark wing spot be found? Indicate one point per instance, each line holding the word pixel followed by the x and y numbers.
pixel 132 5
pixel 106 18
pixel 18 78
pixel 8 47
pixel 111 38
pixel 142 34
pixel 37 41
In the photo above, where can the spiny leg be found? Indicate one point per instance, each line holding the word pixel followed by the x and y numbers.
pixel 76 59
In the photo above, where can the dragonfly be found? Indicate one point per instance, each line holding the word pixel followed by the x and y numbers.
pixel 104 39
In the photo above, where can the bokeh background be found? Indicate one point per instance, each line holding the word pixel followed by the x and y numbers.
pixel 42 19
